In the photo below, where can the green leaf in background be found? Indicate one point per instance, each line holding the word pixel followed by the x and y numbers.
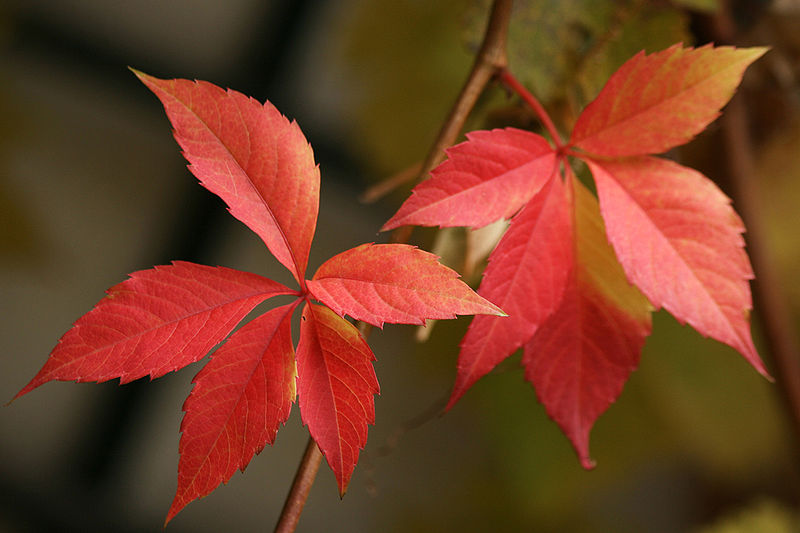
pixel 405 60
pixel 638 26
pixel 556 45
pixel 708 6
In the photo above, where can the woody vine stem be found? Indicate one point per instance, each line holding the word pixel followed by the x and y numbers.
pixel 779 335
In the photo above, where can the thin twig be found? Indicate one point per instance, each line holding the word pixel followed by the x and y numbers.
pixel 490 61
pixel 381 189
pixel 301 486
pixel 779 334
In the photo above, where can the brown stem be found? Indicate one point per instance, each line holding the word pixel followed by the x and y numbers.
pixel 779 334
pixel 301 486
pixel 491 59
pixel 381 189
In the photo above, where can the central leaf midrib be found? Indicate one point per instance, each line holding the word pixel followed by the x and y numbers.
pixel 249 180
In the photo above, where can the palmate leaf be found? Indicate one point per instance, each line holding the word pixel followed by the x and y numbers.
pixel 336 384
pixel 252 157
pixel 394 283
pixel 157 321
pixel 165 318
pixel 240 398
pixel 570 302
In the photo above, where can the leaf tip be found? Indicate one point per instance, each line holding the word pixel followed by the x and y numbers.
pixel 151 82
pixel 389 226
pixel 760 367
pixel 458 391
pixel 139 74
pixel 451 403
pixel 491 309
pixel 758 51
pixel 34 383
pixel 580 444
pixel 588 463
pixel 171 514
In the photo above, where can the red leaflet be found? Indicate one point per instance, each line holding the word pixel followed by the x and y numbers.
pixel 680 242
pixel 157 321
pixel 498 170
pixel 239 400
pixel 394 283
pixel 568 298
pixel 252 157
pixel 658 101
pixel 581 357
pixel 526 276
pixel 336 383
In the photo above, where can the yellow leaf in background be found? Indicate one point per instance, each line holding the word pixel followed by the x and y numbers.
pixel 761 516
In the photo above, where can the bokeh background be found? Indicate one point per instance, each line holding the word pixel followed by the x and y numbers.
pixel 92 186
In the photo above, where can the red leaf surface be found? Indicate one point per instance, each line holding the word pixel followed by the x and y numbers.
pixel 658 101
pixel 680 242
pixel 252 157
pixel 240 398
pixel 580 357
pixel 159 320
pixel 526 276
pixel 497 170
pixel 336 384
pixel 394 283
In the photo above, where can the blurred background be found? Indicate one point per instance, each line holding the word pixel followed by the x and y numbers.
pixel 92 187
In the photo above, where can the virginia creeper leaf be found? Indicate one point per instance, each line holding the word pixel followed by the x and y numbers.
pixel 680 242
pixel 498 170
pixel 581 356
pixel 394 283
pixel 658 101
pixel 569 298
pixel 159 320
pixel 252 157
pixel 240 398
pixel 336 384
pixel 526 276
